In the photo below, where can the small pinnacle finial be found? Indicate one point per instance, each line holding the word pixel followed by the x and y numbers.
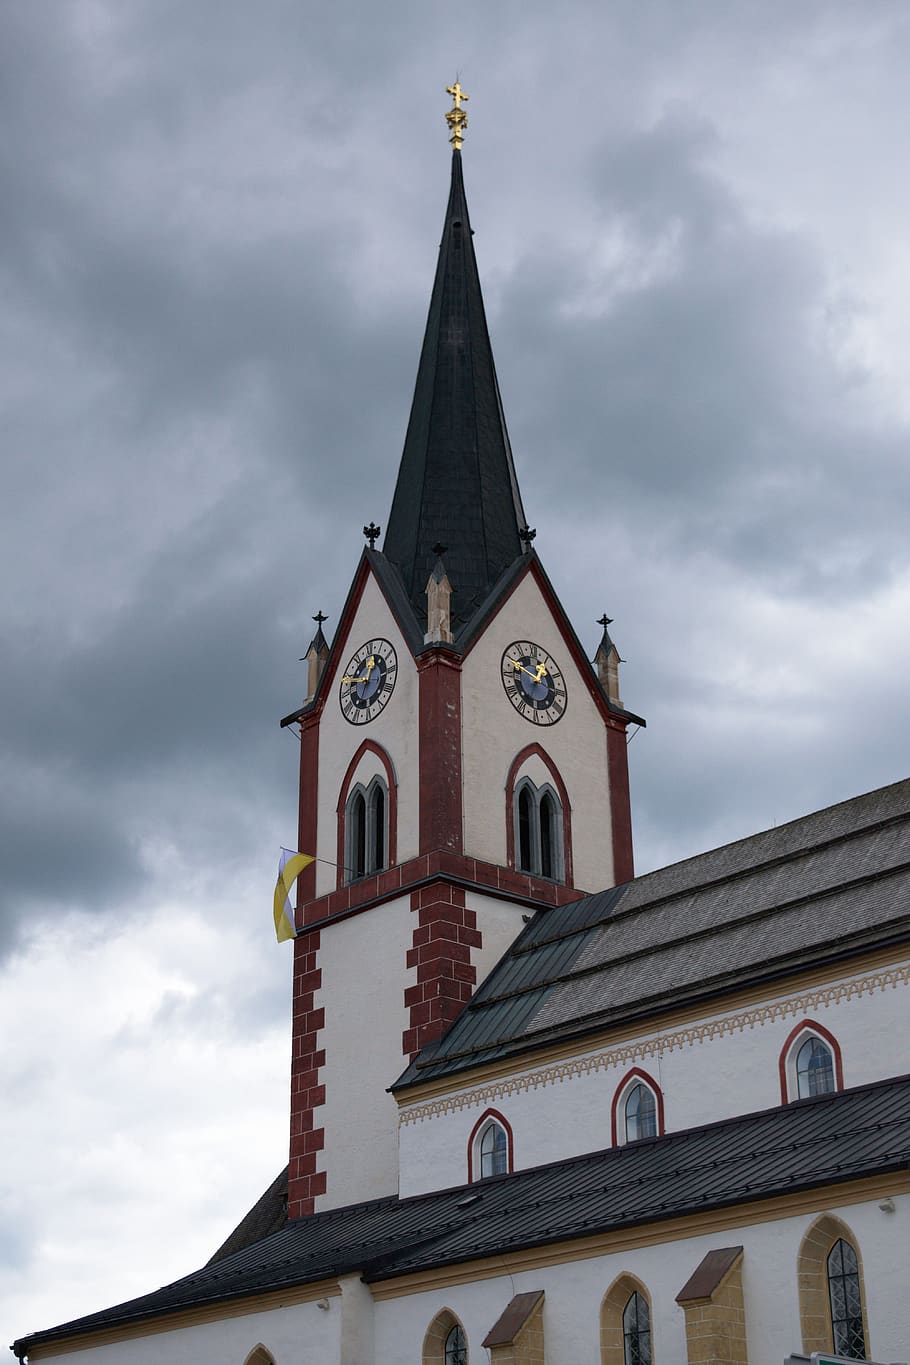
pixel 372 533
pixel 456 118
pixel 319 618
pixel 439 549
pixel 526 534
pixel 605 620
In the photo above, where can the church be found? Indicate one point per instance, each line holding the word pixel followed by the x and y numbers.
pixel 541 1109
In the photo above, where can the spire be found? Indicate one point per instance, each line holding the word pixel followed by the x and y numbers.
pixel 456 482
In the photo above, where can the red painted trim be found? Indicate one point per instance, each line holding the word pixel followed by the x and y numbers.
pixel 620 806
pixel 808 1026
pixel 308 817
pixel 623 1088
pixel 305 1182
pixel 472 874
pixel 441 944
pixel 368 746
pixel 560 786
pixel 441 822
pixel 505 1125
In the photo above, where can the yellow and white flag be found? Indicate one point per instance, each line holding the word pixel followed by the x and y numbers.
pixel 290 866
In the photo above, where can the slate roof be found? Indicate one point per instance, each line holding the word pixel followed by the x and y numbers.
pixel 820 1142
pixel 824 887
pixel 456 482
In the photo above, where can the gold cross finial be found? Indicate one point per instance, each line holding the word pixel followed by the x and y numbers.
pixel 456 118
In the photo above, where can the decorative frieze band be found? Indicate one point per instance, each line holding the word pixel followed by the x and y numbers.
pixel 638 1048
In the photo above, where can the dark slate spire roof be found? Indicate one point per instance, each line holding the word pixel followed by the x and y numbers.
pixel 456 482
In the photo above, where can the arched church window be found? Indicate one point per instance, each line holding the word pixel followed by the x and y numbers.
pixel 494 1150
pixel 810 1063
pixel 640 1113
pixel 637 1111
pixel 490 1146
pixel 625 1323
pixel 829 1277
pixel 636 1331
pixel 456 1352
pixel 366 830
pixel 846 1301
pixel 538 830
pixel 814 1068
pixel 445 1342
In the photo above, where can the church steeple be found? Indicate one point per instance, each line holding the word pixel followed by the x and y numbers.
pixel 456 482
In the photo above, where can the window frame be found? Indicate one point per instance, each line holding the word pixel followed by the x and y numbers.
pixel 380 767
pixel 635 1077
pixel 553 779
pixel 369 795
pixel 487 1120
pixel 613 1308
pixel 794 1042
pixel 526 790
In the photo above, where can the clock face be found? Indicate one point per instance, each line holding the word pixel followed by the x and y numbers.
pixel 533 683
pixel 368 681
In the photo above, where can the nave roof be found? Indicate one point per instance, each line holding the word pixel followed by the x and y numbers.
pixel 819 1142
pixel 820 889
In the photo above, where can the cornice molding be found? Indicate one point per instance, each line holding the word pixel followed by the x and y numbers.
pixel 741 1012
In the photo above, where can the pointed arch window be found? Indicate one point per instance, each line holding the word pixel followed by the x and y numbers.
pixel 810 1063
pixel 832 1306
pixel 636 1331
pixel 638 1109
pixel 446 1342
pixel 538 818
pixel 456 1349
pixel 490 1147
pixel 494 1150
pixel 640 1113
pixel 814 1068
pixel 846 1301
pixel 625 1323
pixel 366 830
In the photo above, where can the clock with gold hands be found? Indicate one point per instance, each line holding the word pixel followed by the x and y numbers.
pixel 368 682
pixel 533 683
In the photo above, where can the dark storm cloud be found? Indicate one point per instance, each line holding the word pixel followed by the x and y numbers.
pixel 216 261
pixel 692 381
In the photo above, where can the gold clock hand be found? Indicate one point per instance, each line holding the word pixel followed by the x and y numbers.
pixel 535 677
pixel 362 678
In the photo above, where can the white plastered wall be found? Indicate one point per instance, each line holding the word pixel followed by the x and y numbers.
pixel 708 1069
pixel 575 1289
pixel 299 1335
pixel 494 733
pixel 395 729
pixel 363 978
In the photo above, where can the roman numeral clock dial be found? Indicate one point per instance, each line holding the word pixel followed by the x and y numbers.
pixel 533 683
pixel 368 682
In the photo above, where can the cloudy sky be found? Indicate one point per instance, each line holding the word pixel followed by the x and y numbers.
pixel 218 226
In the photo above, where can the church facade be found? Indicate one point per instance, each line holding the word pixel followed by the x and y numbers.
pixel 541 1109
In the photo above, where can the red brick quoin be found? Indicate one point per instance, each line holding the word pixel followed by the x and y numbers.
pixel 440 949
pixel 304 1181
